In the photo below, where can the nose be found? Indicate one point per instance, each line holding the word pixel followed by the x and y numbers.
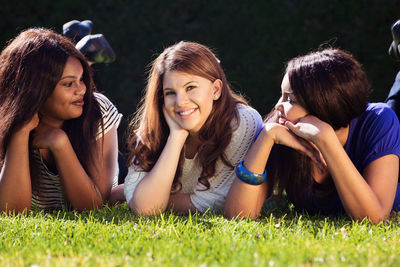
pixel 181 98
pixel 279 105
pixel 81 88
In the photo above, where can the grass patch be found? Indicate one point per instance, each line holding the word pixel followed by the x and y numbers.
pixel 115 236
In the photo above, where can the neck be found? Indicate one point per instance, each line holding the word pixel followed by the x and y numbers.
pixel 51 122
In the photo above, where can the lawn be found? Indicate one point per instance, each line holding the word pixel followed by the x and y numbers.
pixel 116 237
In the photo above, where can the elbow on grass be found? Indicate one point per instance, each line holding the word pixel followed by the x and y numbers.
pixel 96 204
pixel 18 208
pixel 145 211
pixel 375 218
pixel 233 214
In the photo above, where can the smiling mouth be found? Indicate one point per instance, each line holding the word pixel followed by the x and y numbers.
pixel 186 113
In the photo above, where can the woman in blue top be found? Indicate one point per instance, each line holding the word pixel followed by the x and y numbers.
pixel 326 146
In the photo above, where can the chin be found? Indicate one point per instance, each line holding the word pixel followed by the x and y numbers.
pixel 75 116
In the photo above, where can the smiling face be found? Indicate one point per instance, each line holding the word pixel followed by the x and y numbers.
pixel 287 106
pixel 189 99
pixel 66 101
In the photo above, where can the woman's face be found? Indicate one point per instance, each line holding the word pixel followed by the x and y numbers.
pixel 66 101
pixel 287 106
pixel 189 99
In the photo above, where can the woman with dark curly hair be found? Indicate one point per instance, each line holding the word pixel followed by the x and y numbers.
pixel 349 160
pixel 188 134
pixel 58 138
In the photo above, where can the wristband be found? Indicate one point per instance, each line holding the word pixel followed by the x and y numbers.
pixel 250 177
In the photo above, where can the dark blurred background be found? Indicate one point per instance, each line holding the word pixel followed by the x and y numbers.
pixel 253 40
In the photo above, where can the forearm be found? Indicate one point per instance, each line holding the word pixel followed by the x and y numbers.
pixel 153 191
pixel 245 200
pixel 15 179
pixel 357 196
pixel 80 189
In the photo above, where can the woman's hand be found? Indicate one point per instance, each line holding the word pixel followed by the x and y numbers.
pixel 48 137
pixel 282 135
pixel 174 127
pixel 310 128
pixel 30 125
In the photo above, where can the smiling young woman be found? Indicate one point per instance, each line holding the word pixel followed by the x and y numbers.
pixel 188 134
pixel 328 148
pixel 58 137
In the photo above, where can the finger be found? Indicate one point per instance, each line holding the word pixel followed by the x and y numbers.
pixel 292 127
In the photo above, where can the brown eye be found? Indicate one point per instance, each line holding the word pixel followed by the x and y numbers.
pixel 69 84
pixel 291 100
pixel 190 87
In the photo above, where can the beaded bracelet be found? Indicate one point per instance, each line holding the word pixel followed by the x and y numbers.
pixel 250 177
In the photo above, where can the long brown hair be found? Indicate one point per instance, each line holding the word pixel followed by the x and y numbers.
pixel 331 85
pixel 149 130
pixel 30 67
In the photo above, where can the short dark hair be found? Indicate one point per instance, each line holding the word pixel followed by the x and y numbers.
pixel 330 84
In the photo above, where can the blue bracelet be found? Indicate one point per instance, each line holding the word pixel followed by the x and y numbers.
pixel 250 177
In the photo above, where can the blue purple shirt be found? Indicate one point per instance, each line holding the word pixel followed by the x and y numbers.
pixel 374 134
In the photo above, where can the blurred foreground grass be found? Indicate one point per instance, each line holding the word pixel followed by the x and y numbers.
pixel 116 237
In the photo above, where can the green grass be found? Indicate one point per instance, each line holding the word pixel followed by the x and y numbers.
pixel 115 236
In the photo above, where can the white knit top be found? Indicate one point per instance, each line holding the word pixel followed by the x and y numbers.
pixel 212 199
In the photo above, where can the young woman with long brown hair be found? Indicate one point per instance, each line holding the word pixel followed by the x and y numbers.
pixel 349 160
pixel 188 135
pixel 58 138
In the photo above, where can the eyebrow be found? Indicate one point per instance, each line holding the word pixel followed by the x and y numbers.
pixel 183 85
pixel 70 76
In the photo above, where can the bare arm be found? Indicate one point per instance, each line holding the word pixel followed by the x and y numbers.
pixel 151 195
pixel 245 200
pixel 84 190
pixel 15 178
pixel 370 194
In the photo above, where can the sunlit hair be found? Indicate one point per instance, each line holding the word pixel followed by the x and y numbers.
pixel 149 130
pixel 331 85
pixel 31 65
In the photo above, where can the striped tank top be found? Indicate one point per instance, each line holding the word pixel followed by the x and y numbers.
pixel 47 192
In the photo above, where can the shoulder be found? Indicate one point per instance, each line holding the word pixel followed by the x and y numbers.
pixel 379 110
pixel 248 116
pixel 378 117
pixel 104 103
pixel 374 134
pixel 250 123
pixel 111 116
